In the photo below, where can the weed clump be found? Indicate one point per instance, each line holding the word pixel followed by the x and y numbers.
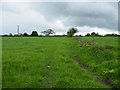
pixel 100 53
pixel 108 47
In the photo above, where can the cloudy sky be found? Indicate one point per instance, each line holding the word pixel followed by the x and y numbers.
pixel 87 16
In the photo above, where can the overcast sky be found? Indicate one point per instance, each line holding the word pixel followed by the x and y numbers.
pixel 101 17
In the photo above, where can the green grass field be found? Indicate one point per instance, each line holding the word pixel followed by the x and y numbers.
pixel 59 62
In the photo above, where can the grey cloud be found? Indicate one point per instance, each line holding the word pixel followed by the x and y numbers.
pixel 15 7
pixel 96 14
pixel 99 14
pixel 72 14
pixel 51 10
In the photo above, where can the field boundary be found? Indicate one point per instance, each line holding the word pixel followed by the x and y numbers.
pixel 107 81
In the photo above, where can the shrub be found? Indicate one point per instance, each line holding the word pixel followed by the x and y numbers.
pixel 34 33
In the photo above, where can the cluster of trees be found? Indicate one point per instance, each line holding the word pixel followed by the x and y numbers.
pixel 70 33
pixel 93 34
pixel 111 34
pixel 96 34
pixel 34 33
pixel 46 33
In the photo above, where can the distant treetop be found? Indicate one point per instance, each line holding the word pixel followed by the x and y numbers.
pixel 48 32
pixel 34 33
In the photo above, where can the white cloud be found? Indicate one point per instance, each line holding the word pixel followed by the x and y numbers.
pixel 86 29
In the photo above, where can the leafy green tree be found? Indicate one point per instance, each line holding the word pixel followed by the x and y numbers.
pixel 34 33
pixel 71 32
pixel 48 32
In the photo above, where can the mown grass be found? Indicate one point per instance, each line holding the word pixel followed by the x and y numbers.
pixel 45 62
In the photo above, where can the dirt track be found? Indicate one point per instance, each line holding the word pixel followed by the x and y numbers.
pixel 102 79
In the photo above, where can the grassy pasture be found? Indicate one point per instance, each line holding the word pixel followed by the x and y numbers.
pixel 46 62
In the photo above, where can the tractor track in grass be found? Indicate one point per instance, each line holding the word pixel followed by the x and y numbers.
pixel 104 79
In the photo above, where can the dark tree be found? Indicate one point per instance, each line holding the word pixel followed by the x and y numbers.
pixel 87 34
pixel 93 34
pixel 10 34
pixel 71 32
pixel 25 34
pixel 48 32
pixel 34 33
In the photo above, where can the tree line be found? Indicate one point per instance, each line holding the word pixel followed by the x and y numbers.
pixel 49 32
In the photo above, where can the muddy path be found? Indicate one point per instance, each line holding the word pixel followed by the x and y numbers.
pixel 103 79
